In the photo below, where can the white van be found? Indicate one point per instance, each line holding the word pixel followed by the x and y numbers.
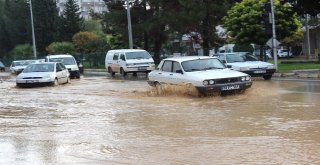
pixel 68 60
pixel 125 61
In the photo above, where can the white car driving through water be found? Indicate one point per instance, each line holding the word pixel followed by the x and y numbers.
pixel 207 74
pixel 43 74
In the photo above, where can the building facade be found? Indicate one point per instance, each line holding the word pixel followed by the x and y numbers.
pixel 98 6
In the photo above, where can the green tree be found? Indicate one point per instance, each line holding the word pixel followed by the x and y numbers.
pixel 15 24
pixel 243 48
pixel 92 26
pixel 45 16
pixel 61 48
pixel 311 7
pixel 243 22
pixel 82 39
pixel 22 52
pixel 203 17
pixel 70 21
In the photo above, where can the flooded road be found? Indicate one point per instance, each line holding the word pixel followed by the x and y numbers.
pixel 98 120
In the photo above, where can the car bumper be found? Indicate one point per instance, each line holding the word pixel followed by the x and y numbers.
pixel 239 86
pixel 145 68
pixel 34 82
pixel 74 73
pixel 259 72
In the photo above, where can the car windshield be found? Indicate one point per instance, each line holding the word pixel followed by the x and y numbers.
pixel 249 58
pixel 39 68
pixel 234 58
pixel 202 64
pixel 138 55
pixel 64 60
pixel 1 64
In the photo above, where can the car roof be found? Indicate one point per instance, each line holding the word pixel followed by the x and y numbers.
pixel 45 63
pixel 187 58
pixel 126 50
pixel 24 60
pixel 59 56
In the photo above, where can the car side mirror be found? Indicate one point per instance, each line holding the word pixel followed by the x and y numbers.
pixel 122 58
pixel 224 61
pixel 179 71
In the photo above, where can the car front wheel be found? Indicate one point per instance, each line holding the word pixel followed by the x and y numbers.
pixel 122 72
pixel 111 72
pixel 267 77
pixel 55 83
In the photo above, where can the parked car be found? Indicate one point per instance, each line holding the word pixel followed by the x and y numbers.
pixel 284 53
pixel 43 74
pixel 68 60
pixel 125 61
pixel 208 74
pixel 18 66
pixel 2 67
pixel 247 64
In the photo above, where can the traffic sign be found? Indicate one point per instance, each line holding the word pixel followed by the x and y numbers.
pixel 276 43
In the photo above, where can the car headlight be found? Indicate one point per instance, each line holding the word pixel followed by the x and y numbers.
pixel 246 78
pixel 244 68
pixel 205 82
pixel 46 76
pixel 270 67
pixel 151 63
pixel 243 78
pixel 208 82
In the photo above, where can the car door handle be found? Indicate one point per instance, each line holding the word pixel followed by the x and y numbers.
pixel 171 74
pixel 159 73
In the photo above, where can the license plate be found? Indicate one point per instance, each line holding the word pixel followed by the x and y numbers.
pixel 230 87
pixel 142 68
pixel 32 81
pixel 260 71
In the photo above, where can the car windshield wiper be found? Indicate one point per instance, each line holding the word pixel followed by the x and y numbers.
pixel 209 68
pixel 190 70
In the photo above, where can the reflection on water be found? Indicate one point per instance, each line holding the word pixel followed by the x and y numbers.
pixel 99 120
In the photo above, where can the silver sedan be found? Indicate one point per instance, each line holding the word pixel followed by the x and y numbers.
pixel 43 74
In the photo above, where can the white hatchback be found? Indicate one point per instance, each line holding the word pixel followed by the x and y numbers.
pixel 207 74
pixel 43 74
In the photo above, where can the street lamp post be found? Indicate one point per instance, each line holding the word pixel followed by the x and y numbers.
pixel 274 48
pixel 32 28
pixel 129 26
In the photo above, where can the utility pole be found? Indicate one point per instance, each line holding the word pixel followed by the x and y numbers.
pixel 308 36
pixel 32 28
pixel 129 26
pixel 274 48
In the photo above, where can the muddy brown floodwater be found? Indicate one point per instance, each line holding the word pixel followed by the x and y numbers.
pixel 98 120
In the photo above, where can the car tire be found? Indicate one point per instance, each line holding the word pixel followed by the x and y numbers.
pixel 267 77
pixel 135 74
pixel 122 72
pixel 68 80
pixel 56 82
pixel 158 88
pixel 111 72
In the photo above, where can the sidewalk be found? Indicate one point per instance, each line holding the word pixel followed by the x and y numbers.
pixel 303 74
